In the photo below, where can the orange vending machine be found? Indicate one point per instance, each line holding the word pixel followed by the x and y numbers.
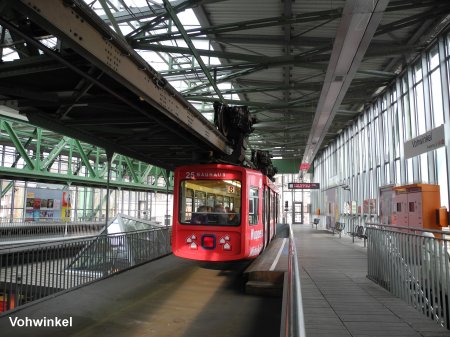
pixel 416 205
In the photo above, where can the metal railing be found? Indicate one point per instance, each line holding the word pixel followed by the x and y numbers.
pixel 292 318
pixel 36 272
pixel 413 264
pixel 18 222
pixel 37 231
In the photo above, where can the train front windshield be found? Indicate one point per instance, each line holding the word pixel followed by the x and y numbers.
pixel 210 202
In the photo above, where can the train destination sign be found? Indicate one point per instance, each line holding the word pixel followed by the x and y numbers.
pixel 304 186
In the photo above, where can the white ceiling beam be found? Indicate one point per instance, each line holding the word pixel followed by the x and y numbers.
pixel 360 19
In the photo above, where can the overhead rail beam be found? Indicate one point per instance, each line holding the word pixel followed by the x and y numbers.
pixel 77 26
pixel 358 25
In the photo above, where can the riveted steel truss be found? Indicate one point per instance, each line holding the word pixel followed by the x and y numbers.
pixel 30 153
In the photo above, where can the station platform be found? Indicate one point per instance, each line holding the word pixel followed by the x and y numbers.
pixel 339 300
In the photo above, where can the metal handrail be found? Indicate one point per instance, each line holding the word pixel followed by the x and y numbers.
pixel 39 231
pixel 293 321
pixel 39 270
pixel 19 222
pixel 410 229
pixel 413 266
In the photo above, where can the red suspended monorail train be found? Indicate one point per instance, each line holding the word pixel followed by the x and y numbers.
pixel 222 212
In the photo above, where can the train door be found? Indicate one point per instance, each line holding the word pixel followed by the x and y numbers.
pixel 297 212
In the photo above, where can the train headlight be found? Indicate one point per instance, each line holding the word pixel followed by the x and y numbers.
pixel 208 241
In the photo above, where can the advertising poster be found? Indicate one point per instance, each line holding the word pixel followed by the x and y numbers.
pixel 43 204
pixel 66 206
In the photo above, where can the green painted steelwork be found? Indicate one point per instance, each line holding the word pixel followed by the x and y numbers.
pixel 288 165
pixel 245 25
pixel 191 46
pixel 35 154
pixel 19 147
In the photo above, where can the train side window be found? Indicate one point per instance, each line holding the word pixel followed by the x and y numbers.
pixel 253 202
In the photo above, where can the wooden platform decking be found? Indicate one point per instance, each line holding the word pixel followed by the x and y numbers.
pixel 338 299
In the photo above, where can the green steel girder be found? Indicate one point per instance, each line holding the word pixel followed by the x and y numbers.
pixel 191 46
pixel 135 13
pixel 316 61
pixel 104 171
pixel 263 105
pixel 28 142
pixel 47 162
pixel 437 8
pixel 111 17
pixel 401 5
pixel 19 147
pixel 85 159
pixel 201 52
pixel 146 173
pixel 131 170
pixel 161 15
pixel 25 137
pixel 18 174
pixel 250 24
pixel 307 86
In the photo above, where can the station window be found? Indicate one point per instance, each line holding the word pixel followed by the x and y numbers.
pixel 253 202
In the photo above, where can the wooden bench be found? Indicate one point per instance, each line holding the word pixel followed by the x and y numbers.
pixel 338 227
pixel 315 222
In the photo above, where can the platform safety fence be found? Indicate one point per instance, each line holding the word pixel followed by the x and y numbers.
pixel 293 321
pixel 31 273
pixel 413 265
pixel 35 230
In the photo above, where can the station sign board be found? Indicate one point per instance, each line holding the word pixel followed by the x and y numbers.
pixel 304 186
pixel 431 140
